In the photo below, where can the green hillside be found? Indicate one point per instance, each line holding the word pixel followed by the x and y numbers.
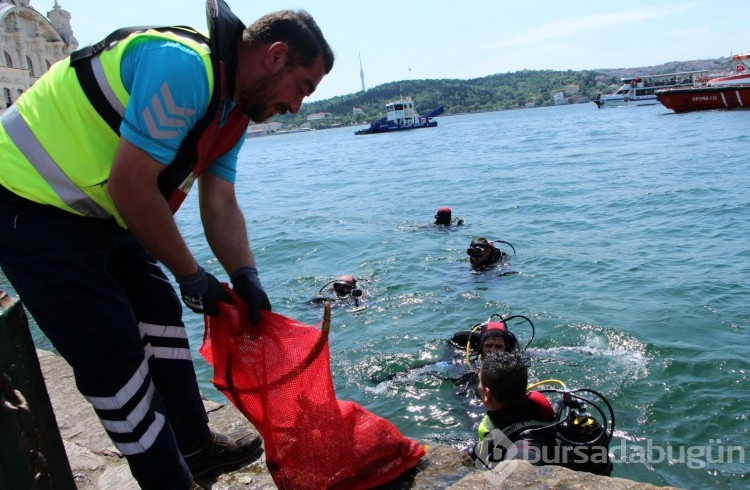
pixel 491 93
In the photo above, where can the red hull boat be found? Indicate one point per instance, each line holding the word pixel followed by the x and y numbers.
pixel 724 92
pixel 703 98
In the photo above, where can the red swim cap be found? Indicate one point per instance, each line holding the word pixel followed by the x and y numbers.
pixel 492 329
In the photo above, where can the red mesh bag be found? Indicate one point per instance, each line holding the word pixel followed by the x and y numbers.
pixel 278 375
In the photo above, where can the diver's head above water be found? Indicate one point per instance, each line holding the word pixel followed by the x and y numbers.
pixel 345 285
pixel 495 337
pixel 444 217
pixel 481 252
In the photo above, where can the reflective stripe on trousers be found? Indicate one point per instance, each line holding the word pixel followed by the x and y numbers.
pixel 131 393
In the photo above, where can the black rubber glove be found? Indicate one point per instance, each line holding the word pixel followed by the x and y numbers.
pixel 201 292
pixel 247 286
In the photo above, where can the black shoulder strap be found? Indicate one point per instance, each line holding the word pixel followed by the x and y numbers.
pixel 515 430
pixel 223 28
pixel 96 48
pixel 123 32
pixel 87 80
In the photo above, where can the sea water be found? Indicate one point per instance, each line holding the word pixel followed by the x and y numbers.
pixel 631 230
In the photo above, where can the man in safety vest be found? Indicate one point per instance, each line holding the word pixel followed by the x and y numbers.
pixel 94 160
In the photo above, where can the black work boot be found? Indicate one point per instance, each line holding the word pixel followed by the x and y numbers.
pixel 223 451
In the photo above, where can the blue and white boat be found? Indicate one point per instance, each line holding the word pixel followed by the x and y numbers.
pixel 401 115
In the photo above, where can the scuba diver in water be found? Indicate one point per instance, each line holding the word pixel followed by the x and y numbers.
pixel 469 347
pixel 574 430
pixel 483 253
pixel 484 338
pixel 465 349
pixel 343 288
pixel 443 218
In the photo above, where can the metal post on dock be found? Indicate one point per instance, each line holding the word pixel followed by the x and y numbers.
pixel 33 455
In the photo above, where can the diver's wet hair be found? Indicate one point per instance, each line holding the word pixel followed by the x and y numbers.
pixel 506 374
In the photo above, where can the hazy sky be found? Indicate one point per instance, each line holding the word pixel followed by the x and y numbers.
pixel 398 40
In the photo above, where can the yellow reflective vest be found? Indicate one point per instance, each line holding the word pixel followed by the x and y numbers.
pixel 58 150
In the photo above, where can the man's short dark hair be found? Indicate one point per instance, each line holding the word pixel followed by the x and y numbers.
pixel 506 374
pixel 298 30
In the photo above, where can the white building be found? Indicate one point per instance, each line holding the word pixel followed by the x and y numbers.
pixel 559 98
pixel 263 129
pixel 271 126
pixel 319 115
pixel 30 44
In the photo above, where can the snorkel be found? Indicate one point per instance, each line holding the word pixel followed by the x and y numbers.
pixel 478 250
pixel 348 282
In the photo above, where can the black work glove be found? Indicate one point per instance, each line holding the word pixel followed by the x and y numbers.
pixel 201 292
pixel 247 286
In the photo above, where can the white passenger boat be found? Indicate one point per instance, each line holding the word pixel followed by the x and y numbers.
pixel 637 91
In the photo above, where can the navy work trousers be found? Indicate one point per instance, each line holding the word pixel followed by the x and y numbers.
pixel 108 308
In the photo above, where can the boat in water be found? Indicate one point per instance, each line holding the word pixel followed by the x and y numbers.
pixel 401 115
pixel 638 91
pixel 720 92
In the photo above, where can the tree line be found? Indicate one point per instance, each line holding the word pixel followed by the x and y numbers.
pixel 491 93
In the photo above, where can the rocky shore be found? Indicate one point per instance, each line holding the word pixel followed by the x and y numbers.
pixel 97 465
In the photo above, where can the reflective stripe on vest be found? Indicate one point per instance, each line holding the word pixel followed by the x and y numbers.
pixel 21 135
pixel 101 80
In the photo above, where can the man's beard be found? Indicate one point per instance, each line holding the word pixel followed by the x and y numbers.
pixel 254 98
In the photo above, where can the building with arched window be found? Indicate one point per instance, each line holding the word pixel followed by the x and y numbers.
pixel 30 44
